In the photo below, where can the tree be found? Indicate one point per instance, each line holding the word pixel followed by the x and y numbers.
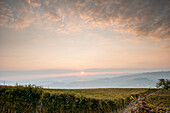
pixel 163 83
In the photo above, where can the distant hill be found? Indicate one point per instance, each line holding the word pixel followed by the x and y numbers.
pixel 142 80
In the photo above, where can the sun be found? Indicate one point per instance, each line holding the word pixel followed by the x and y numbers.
pixel 82 73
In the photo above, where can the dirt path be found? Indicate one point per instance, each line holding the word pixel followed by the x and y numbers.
pixel 128 109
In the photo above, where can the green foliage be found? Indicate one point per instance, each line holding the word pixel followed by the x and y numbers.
pixel 34 99
pixel 160 99
pixel 101 93
pixel 88 100
pixel 19 98
pixel 155 101
pixel 163 83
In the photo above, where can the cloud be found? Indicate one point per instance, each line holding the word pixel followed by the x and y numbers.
pixel 35 3
pixel 36 72
pixel 141 18
pixel 64 71
pixel 16 14
pixel 144 18
pixel 165 47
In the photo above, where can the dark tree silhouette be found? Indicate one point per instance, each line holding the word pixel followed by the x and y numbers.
pixel 163 83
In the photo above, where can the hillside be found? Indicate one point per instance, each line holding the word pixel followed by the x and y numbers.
pixel 142 80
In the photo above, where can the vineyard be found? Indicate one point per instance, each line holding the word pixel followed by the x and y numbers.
pixel 160 99
pixel 101 93
pixel 35 99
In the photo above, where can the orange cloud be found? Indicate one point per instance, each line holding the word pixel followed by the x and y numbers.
pixel 19 15
pixel 140 18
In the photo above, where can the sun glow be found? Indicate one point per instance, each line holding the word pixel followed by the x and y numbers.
pixel 82 73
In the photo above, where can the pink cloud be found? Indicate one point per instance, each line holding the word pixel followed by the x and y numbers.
pixel 140 18
pixel 17 16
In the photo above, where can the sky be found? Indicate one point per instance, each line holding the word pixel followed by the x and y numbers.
pixel 79 35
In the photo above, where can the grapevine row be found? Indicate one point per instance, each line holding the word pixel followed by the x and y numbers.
pixel 32 99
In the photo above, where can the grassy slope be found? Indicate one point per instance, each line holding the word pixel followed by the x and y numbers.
pixel 160 99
